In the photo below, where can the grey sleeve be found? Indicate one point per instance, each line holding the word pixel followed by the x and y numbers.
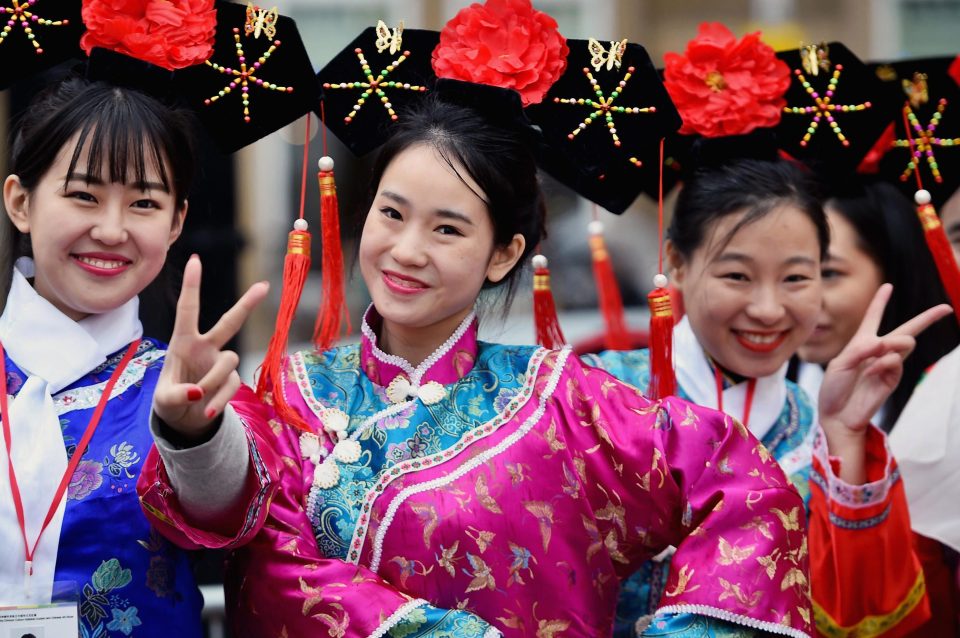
pixel 208 479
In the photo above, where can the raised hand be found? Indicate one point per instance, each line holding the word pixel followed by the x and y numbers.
pixel 198 376
pixel 861 378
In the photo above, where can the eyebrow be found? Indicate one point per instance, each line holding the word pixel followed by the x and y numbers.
pixel 444 213
pixel 796 260
pixel 90 179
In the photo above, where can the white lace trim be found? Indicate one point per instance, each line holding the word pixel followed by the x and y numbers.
pixel 470 465
pixel 88 396
pixel 396 617
pixel 414 373
pixel 723 614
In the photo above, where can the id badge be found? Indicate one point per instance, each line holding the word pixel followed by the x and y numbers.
pixel 58 618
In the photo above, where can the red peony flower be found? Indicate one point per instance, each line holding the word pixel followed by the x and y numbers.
pixel 724 87
pixel 168 33
pixel 954 70
pixel 505 43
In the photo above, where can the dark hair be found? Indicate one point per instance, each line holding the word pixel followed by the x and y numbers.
pixel 122 129
pixel 498 159
pixel 753 186
pixel 889 232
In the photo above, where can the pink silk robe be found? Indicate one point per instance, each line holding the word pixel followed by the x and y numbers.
pixel 515 504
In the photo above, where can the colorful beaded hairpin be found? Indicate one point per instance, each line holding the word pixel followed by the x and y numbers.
pixel 19 14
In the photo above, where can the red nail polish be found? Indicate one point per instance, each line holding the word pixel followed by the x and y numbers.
pixel 194 394
pixel 210 413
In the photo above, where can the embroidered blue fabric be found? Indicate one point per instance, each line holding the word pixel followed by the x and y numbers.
pixel 130 580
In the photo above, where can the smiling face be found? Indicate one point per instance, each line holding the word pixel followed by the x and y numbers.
pixel 754 299
pixel 96 244
pixel 850 279
pixel 428 246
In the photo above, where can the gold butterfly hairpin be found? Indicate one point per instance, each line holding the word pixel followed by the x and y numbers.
pixel 387 39
pixel 600 56
pixel 815 58
pixel 916 89
pixel 260 21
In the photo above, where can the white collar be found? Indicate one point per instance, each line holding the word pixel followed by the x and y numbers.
pixel 44 342
pixel 926 443
pixel 695 376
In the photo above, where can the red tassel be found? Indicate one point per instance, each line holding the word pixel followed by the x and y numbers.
pixel 296 267
pixel 663 380
pixel 333 308
pixel 940 248
pixel 549 334
pixel 611 305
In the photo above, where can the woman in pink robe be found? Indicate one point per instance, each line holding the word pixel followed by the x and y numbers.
pixel 444 486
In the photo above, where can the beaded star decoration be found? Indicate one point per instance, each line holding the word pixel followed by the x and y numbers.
pixel 245 76
pixel 604 105
pixel 823 107
pixel 376 84
pixel 924 139
pixel 19 14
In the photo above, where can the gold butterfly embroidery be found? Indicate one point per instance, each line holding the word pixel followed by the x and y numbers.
pixel 482 575
pixel 769 563
pixel 260 21
pixel 483 495
pixel 683 579
pixel 544 515
pixel 916 89
pixel 815 57
pixel 789 520
pixel 387 39
pixel 427 513
pixel 730 554
pixel 448 558
pixel 600 56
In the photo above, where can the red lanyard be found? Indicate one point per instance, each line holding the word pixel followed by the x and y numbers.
pixel 74 460
pixel 748 403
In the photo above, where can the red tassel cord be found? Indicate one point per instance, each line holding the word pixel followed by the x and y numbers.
pixel 296 267
pixel 933 232
pixel 333 310
pixel 663 381
pixel 549 334
pixel 611 305
pixel 663 378
pixel 940 248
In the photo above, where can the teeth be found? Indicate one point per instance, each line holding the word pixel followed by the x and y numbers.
pixel 100 263
pixel 758 338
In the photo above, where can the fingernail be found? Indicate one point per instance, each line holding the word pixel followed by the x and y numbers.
pixel 210 413
pixel 194 256
pixel 194 394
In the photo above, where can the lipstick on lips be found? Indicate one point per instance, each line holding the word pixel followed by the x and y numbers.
pixel 102 264
pixel 403 284
pixel 760 342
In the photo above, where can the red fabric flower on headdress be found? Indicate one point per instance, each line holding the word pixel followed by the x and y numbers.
pixel 172 34
pixel 724 87
pixel 505 43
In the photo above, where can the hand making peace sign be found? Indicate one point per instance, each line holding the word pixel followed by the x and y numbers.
pixel 861 378
pixel 198 376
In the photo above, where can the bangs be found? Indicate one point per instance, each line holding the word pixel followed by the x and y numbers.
pixel 124 140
